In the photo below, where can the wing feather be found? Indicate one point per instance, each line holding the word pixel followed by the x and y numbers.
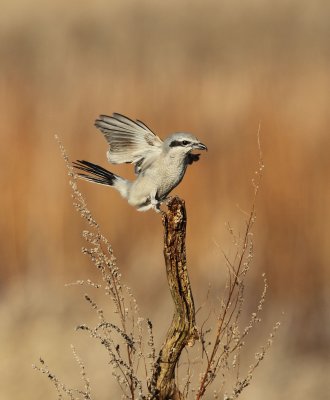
pixel 130 141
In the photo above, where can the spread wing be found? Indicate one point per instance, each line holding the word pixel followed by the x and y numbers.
pixel 130 141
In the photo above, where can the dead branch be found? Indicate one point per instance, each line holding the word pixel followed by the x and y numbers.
pixel 182 331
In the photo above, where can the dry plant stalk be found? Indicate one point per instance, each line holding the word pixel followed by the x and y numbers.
pixel 122 337
pixel 223 352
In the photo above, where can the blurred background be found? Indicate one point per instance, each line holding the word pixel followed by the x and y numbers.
pixel 217 69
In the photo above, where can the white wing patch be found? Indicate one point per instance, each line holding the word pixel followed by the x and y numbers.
pixel 130 141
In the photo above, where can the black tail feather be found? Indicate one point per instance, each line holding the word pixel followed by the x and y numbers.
pixel 97 174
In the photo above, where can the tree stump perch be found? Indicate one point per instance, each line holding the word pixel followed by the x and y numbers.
pixel 182 331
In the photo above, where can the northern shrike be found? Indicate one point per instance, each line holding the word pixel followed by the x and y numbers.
pixel 159 165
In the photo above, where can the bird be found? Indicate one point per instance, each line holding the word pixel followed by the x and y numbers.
pixel 159 165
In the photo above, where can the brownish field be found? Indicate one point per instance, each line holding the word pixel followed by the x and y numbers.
pixel 214 68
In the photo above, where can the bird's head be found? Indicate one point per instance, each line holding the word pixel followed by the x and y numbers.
pixel 183 144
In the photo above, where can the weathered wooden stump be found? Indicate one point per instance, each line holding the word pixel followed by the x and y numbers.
pixel 183 331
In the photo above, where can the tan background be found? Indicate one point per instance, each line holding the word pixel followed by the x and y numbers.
pixel 213 68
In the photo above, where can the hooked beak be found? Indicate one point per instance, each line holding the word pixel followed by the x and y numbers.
pixel 200 146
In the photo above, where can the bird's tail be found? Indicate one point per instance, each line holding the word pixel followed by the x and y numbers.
pixel 95 173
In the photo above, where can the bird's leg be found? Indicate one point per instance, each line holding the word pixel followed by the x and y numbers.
pixel 156 207
pixel 155 204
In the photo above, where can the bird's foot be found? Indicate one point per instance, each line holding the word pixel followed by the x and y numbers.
pixel 155 204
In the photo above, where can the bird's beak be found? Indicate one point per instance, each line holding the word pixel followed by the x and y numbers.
pixel 200 146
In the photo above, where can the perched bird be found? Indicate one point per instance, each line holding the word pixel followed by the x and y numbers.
pixel 159 165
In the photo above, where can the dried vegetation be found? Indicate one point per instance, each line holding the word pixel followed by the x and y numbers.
pixel 128 338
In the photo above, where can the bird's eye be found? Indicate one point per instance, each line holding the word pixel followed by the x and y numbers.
pixel 185 142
